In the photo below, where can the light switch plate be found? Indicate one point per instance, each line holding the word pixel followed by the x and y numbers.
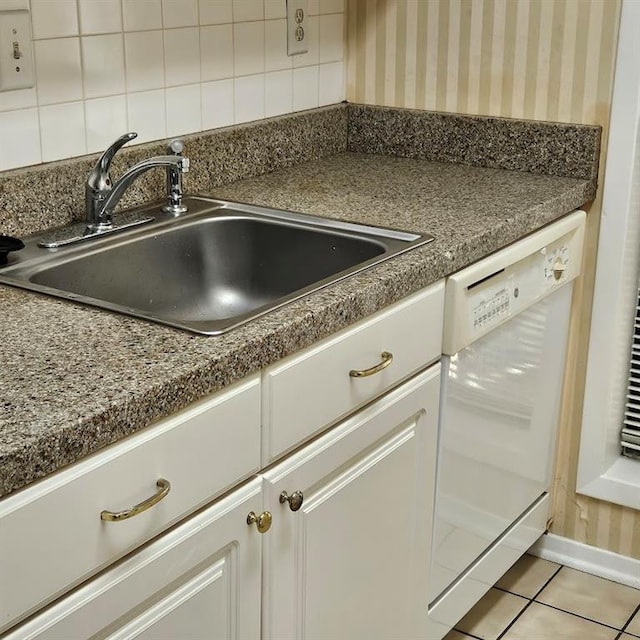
pixel 297 20
pixel 16 51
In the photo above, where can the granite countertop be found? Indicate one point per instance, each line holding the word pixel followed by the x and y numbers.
pixel 77 378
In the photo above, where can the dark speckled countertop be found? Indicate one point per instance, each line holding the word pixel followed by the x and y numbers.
pixel 75 378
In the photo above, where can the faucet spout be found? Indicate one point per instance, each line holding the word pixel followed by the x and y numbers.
pixel 178 163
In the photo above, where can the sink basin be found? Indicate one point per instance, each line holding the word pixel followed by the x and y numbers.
pixel 218 266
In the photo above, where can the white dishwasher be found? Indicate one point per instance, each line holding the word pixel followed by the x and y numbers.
pixel 506 324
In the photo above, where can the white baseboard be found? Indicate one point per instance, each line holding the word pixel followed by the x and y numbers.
pixel 598 562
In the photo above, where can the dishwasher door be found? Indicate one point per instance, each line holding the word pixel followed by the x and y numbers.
pixel 499 413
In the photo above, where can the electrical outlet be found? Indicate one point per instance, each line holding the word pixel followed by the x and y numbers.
pixel 297 20
pixel 16 51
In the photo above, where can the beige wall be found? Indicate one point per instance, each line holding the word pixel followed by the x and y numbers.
pixel 542 59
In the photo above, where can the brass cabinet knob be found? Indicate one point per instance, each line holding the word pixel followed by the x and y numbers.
pixel 386 360
pixel 294 500
pixel 116 516
pixel 263 521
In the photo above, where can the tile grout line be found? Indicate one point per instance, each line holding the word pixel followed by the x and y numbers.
pixel 628 622
pixel 577 615
pixel 526 606
pixel 546 584
pixel 531 600
pixel 469 635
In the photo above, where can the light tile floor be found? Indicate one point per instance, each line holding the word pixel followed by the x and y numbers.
pixel 540 600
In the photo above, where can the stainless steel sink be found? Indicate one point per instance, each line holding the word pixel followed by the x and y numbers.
pixel 218 266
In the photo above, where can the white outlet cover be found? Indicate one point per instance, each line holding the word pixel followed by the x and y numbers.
pixel 297 21
pixel 16 51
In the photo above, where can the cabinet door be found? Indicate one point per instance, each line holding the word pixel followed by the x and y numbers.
pixel 52 536
pixel 353 561
pixel 200 581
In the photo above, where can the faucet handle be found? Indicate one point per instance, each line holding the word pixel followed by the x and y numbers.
pixel 175 147
pixel 99 178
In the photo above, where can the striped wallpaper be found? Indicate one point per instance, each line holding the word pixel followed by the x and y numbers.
pixel 542 59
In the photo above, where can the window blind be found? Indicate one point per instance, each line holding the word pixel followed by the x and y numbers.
pixel 630 437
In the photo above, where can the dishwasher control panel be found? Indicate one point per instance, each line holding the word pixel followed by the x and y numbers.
pixel 490 308
pixel 491 291
pixel 556 262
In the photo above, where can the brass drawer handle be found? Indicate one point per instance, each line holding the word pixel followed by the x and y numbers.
pixel 387 359
pixel 294 500
pixel 262 522
pixel 115 516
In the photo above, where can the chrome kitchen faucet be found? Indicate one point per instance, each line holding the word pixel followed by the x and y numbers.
pixel 102 196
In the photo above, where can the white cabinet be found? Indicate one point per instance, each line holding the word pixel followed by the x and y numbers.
pixel 352 561
pixel 52 535
pixel 200 581
pixel 308 391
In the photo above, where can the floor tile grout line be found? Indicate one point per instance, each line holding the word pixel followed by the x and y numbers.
pixel 537 593
pixel 530 600
pixel 577 615
pixel 628 622
pixel 546 584
pixel 470 635
pixel 526 606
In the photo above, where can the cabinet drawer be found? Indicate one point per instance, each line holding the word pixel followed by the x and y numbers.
pixel 51 533
pixel 200 580
pixel 310 390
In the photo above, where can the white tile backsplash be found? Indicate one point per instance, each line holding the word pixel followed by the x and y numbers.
pixel 105 120
pixel 144 60
pixel 179 13
pixel 305 88
pixel 278 93
pixel 146 114
pixel 19 138
pixel 331 45
pixel 62 131
pixel 216 52
pixel 181 56
pixel 248 95
pixel 164 68
pixel 58 70
pixel 103 65
pixel 184 110
pixel 216 11
pixel 275 9
pixel 248 48
pixel 104 16
pixel 142 15
pixel 275 46
pixel 217 104
pixel 331 83
pixel 21 99
pixel 248 10
pixel 54 18
pixel 331 6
